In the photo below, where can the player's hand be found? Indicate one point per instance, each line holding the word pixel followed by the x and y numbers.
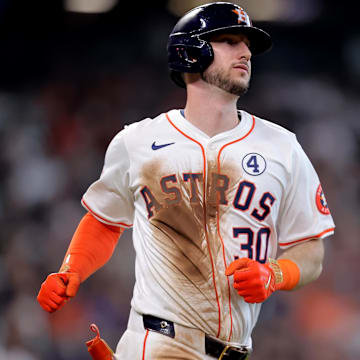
pixel 253 281
pixel 57 289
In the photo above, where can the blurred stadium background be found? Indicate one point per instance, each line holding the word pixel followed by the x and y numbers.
pixel 73 72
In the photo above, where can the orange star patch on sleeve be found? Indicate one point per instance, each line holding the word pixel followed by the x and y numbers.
pixel 321 202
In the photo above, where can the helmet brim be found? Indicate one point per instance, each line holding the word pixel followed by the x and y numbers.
pixel 260 41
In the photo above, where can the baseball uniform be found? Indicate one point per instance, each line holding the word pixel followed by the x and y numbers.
pixel 196 203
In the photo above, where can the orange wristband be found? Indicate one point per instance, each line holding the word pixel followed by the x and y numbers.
pixel 287 273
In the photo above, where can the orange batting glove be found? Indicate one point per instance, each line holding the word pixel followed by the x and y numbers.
pixel 255 282
pixel 57 289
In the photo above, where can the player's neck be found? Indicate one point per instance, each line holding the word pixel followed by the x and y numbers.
pixel 212 113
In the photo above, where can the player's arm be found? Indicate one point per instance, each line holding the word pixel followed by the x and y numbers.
pixel 91 247
pixel 297 266
pixel 308 257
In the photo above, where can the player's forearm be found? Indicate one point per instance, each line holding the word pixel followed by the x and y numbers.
pixel 91 247
pixel 308 257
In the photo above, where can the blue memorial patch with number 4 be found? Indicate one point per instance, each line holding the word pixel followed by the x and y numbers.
pixel 254 164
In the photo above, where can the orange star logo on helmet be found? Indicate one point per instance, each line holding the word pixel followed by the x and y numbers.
pixel 242 16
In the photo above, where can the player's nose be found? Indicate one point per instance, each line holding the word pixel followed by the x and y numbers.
pixel 243 51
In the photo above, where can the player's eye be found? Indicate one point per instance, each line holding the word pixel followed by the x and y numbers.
pixel 229 40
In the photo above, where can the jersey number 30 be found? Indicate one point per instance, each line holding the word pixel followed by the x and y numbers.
pixel 256 244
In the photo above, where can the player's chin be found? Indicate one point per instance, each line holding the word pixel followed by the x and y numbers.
pixel 241 75
pixel 242 80
pixel 239 88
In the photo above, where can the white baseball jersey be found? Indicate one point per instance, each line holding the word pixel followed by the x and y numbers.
pixel 196 203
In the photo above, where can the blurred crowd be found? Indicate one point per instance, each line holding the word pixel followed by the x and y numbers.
pixel 52 143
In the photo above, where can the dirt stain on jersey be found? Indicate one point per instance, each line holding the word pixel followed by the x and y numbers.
pixel 179 225
pixel 186 235
pixel 220 187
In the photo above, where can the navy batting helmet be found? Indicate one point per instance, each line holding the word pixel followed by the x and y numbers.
pixel 188 48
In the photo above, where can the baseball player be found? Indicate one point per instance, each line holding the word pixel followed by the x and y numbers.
pixel 211 193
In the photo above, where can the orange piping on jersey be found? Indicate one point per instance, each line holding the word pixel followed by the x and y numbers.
pixel 218 221
pixel 204 208
pixel 228 281
pixel 237 140
pixel 146 335
pixel 100 217
pixel 308 238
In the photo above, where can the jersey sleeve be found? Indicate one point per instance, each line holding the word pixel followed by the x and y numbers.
pixel 305 213
pixel 109 198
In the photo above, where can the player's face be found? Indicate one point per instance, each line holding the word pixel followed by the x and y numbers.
pixel 231 67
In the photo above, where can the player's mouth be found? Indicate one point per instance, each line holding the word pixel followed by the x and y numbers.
pixel 242 67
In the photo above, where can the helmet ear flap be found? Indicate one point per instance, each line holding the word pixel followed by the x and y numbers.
pixel 189 54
